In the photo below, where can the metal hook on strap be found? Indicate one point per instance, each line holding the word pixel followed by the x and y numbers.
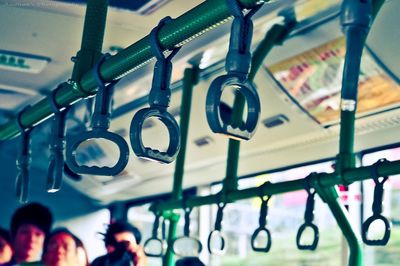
pixel 377 209
pixel 262 228
pixel 155 246
pixel 100 124
pixel 159 99
pixel 23 161
pixel 186 241
pixel 216 236
pixel 57 145
pixel 308 218
pixel 237 66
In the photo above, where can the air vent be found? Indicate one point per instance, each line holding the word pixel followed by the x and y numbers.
pixel 21 62
pixel 275 121
pixel 203 141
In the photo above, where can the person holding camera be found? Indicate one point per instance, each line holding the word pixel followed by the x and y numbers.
pixel 122 241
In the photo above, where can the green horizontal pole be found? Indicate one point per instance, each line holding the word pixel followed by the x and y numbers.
pixel 324 180
pixel 183 29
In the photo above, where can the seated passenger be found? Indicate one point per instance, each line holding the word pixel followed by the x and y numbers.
pixel 61 249
pixel 5 248
pixel 122 243
pixel 189 261
pixel 29 226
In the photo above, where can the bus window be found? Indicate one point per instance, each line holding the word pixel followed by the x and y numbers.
pixel 389 254
pixel 285 215
pixel 141 217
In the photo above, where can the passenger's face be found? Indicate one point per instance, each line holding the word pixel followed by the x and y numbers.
pixel 5 251
pixel 61 251
pixel 127 237
pixel 28 243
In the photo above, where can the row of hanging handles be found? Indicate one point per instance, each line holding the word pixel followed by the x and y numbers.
pixel 237 66
pixel 261 240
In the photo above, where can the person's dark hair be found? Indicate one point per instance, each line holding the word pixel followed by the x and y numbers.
pixel 189 261
pixel 32 213
pixel 5 234
pixel 60 230
pixel 119 227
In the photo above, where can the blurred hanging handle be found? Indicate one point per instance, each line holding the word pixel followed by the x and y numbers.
pixel 377 209
pixel 57 145
pixel 100 124
pixel 23 161
pixel 308 219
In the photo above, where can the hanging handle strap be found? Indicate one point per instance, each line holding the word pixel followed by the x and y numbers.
pixel 237 66
pixel 216 236
pixel 262 228
pixel 155 246
pixel 180 244
pixel 377 209
pixel 23 161
pixel 57 145
pixel 100 125
pixel 308 219
pixel 159 99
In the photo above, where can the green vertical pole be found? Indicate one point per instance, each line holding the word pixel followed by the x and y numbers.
pixel 356 21
pixel 190 78
pixel 276 35
pixel 92 38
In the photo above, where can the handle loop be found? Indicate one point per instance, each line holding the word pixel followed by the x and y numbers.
pixel 23 161
pixel 187 239
pixel 377 208
pixel 57 144
pixel 216 234
pixel 159 98
pixel 308 218
pixel 237 65
pixel 262 221
pixel 100 125
pixel 155 240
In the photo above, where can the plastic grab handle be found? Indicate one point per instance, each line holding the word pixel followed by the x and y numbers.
pixel 195 241
pixel 216 234
pixel 300 232
pixel 22 181
pixel 213 101
pixel 367 224
pixel 157 241
pixel 254 240
pixel 136 135
pixel 55 172
pixel 75 141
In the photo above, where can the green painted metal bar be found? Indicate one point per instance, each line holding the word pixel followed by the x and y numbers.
pixel 190 79
pixel 342 217
pixel 183 29
pixel 92 38
pixel 356 30
pixel 323 180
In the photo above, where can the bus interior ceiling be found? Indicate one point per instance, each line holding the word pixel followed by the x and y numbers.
pixel 50 31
